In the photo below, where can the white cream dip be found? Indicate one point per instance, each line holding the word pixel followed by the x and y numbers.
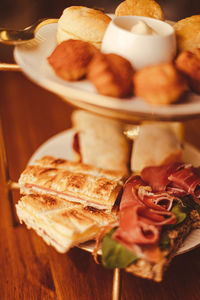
pixel 141 27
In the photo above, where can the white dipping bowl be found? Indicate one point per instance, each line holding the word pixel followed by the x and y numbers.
pixel 140 50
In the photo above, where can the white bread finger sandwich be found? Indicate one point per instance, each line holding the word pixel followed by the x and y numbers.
pixel 82 23
pixel 61 224
pixel 156 144
pixel 100 142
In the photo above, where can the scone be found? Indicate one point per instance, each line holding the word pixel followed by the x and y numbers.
pixel 188 33
pixel 111 74
pixel 159 84
pixel 70 59
pixel 82 23
pixel 146 8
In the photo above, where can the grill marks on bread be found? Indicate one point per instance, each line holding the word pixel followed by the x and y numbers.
pixel 96 187
pixel 59 222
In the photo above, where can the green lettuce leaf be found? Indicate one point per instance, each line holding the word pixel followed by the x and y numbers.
pixel 115 255
pixel 180 212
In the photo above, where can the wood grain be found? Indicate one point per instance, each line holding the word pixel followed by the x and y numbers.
pixel 29 268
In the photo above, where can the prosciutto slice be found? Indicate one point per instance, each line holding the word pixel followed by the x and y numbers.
pixel 142 214
pixel 141 225
pixel 158 177
pixel 137 191
pixel 189 180
pixel 136 228
pixel 177 179
pixel 159 201
pixel 130 195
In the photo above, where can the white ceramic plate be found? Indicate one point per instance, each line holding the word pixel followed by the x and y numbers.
pixel 32 58
pixel 60 146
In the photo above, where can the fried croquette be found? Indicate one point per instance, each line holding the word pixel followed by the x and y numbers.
pixel 188 33
pixel 189 64
pixel 111 74
pixel 159 84
pixel 145 8
pixel 70 59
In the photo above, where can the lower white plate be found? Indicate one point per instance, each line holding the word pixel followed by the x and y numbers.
pixel 60 146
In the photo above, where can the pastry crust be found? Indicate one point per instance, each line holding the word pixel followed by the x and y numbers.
pixel 188 33
pixel 189 64
pixel 111 74
pixel 145 8
pixel 159 84
pixel 70 59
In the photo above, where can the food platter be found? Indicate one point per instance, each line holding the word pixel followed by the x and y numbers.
pixel 32 58
pixel 60 146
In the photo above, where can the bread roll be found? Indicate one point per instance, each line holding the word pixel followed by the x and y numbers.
pixel 82 23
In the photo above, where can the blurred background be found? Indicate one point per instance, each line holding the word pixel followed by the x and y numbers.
pixel 21 13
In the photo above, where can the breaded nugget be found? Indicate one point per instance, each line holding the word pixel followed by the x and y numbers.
pixel 111 74
pixel 188 33
pixel 145 8
pixel 189 63
pixel 159 84
pixel 70 59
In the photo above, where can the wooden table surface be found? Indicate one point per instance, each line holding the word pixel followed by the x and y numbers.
pixel 29 268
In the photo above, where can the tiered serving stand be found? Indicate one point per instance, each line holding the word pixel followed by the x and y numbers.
pixel 31 59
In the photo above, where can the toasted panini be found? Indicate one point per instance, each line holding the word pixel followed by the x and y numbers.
pixel 72 182
pixel 61 223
